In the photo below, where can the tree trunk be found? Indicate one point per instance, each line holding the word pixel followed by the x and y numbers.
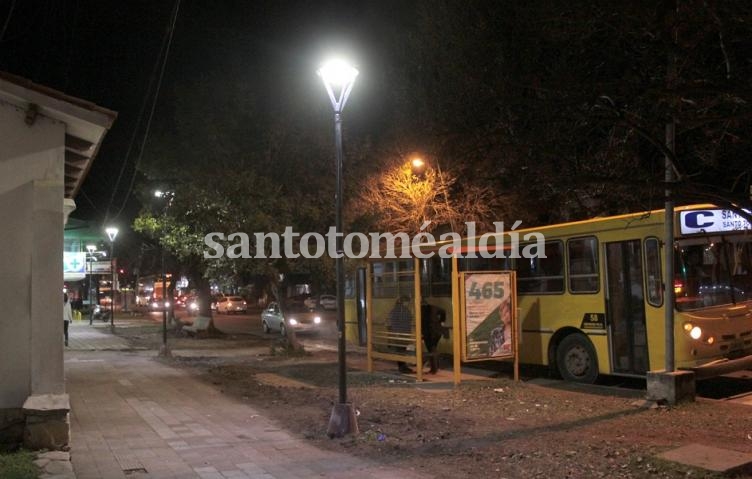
pixel 204 302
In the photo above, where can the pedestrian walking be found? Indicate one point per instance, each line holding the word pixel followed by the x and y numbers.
pixel 67 316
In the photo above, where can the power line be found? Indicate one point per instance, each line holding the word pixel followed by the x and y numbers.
pixel 166 43
pixel 7 19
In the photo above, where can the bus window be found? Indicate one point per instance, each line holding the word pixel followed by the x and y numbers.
pixel 436 277
pixel 582 255
pixel 712 273
pixel 392 279
pixel 383 279
pixel 542 275
pixel 653 272
pixel 484 264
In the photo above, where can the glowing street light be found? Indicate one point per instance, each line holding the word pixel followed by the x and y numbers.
pixel 164 351
pixel 91 249
pixel 418 166
pixel 112 233
pixel 339 77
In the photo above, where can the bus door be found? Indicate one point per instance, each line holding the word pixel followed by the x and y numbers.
pixel 625 307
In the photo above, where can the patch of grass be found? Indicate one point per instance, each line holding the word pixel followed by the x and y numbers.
pixel 18 465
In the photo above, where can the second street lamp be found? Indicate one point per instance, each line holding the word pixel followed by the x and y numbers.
pixel 339 77
pixel 165 349
pixel 89 258
pixel 112 233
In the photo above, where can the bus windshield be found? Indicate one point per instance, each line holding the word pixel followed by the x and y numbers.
pixel 713 272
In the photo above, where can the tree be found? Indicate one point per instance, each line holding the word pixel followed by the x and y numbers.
pixel 563 105
pixel 399 200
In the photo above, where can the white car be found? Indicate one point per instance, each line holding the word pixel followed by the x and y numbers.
pixel 231 304
pixel 328 301
pixel 325 301
pixel 297 316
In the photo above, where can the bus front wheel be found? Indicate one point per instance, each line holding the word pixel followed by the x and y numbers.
pixel 576 359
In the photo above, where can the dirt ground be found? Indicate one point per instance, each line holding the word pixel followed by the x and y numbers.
pixel 489 427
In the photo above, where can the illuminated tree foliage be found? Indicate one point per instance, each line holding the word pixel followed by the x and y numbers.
pixel 399 200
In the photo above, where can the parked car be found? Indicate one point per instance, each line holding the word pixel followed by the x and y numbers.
pixel 191 303
pixel 324 301
pixel 296 316
pixel 231 304
pixel 157 304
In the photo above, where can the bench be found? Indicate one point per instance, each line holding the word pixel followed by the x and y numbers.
pixel 200 325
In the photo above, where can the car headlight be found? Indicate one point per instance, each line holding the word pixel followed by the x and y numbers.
pixel 154 305
pixel 167 304
pixel 316 320
pixel 193 306
pixel 293 322
pixel 695 333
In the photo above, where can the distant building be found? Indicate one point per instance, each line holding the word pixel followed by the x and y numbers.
pixel 48 141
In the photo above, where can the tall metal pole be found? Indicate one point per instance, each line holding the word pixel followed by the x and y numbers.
pixel 668 251
pixel 91 305
pixel 164 307
pixel 338 74
pixel 112 285
pixel 340 263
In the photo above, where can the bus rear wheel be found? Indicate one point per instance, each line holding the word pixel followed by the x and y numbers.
pixel 576 359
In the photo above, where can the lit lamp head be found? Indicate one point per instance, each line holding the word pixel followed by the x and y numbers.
pixel 338 77
pixel 91 248
pixel 418 166
pixel 158 193
pixel 112 233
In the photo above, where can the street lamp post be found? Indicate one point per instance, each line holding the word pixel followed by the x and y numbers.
pixel 89 258
pixel 112 233
pixel 338 78
pixel 165 349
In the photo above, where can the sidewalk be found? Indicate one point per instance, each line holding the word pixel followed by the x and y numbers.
pixel 81 336
pixel 135 417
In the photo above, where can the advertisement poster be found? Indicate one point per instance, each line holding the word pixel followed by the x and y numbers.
pixel 490 322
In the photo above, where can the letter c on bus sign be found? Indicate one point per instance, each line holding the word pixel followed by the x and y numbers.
pixel 694 219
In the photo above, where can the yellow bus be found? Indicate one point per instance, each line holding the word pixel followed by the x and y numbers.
pixel 595 304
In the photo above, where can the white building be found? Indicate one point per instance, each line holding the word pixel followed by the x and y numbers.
pixel 48 141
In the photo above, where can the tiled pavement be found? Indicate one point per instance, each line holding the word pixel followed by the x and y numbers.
pixel 81 336
pixel 135 417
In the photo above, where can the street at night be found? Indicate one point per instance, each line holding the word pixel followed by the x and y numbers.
pixel 435 238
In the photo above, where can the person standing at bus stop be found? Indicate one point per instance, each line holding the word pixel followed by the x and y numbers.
pixel 432 319
pixel 401 322
pixel 67 316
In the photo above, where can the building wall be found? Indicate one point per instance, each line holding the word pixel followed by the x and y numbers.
pixel 31 212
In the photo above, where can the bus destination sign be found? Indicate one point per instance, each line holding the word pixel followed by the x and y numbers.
pixel 711 221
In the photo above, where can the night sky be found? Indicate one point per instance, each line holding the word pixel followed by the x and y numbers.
pixel 104 51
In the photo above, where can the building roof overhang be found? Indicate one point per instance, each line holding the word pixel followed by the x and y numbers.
pixel 86 123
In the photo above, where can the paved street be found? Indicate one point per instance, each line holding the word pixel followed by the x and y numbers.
pixel 133 416
pixel 250 323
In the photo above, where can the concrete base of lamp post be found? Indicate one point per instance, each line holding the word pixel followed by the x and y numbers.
pixel 671 388
pixel 165 352
pixel 343 421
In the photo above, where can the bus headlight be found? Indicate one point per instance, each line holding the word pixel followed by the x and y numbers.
pixel 695 333
pixel 688 327
pixel 710 340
